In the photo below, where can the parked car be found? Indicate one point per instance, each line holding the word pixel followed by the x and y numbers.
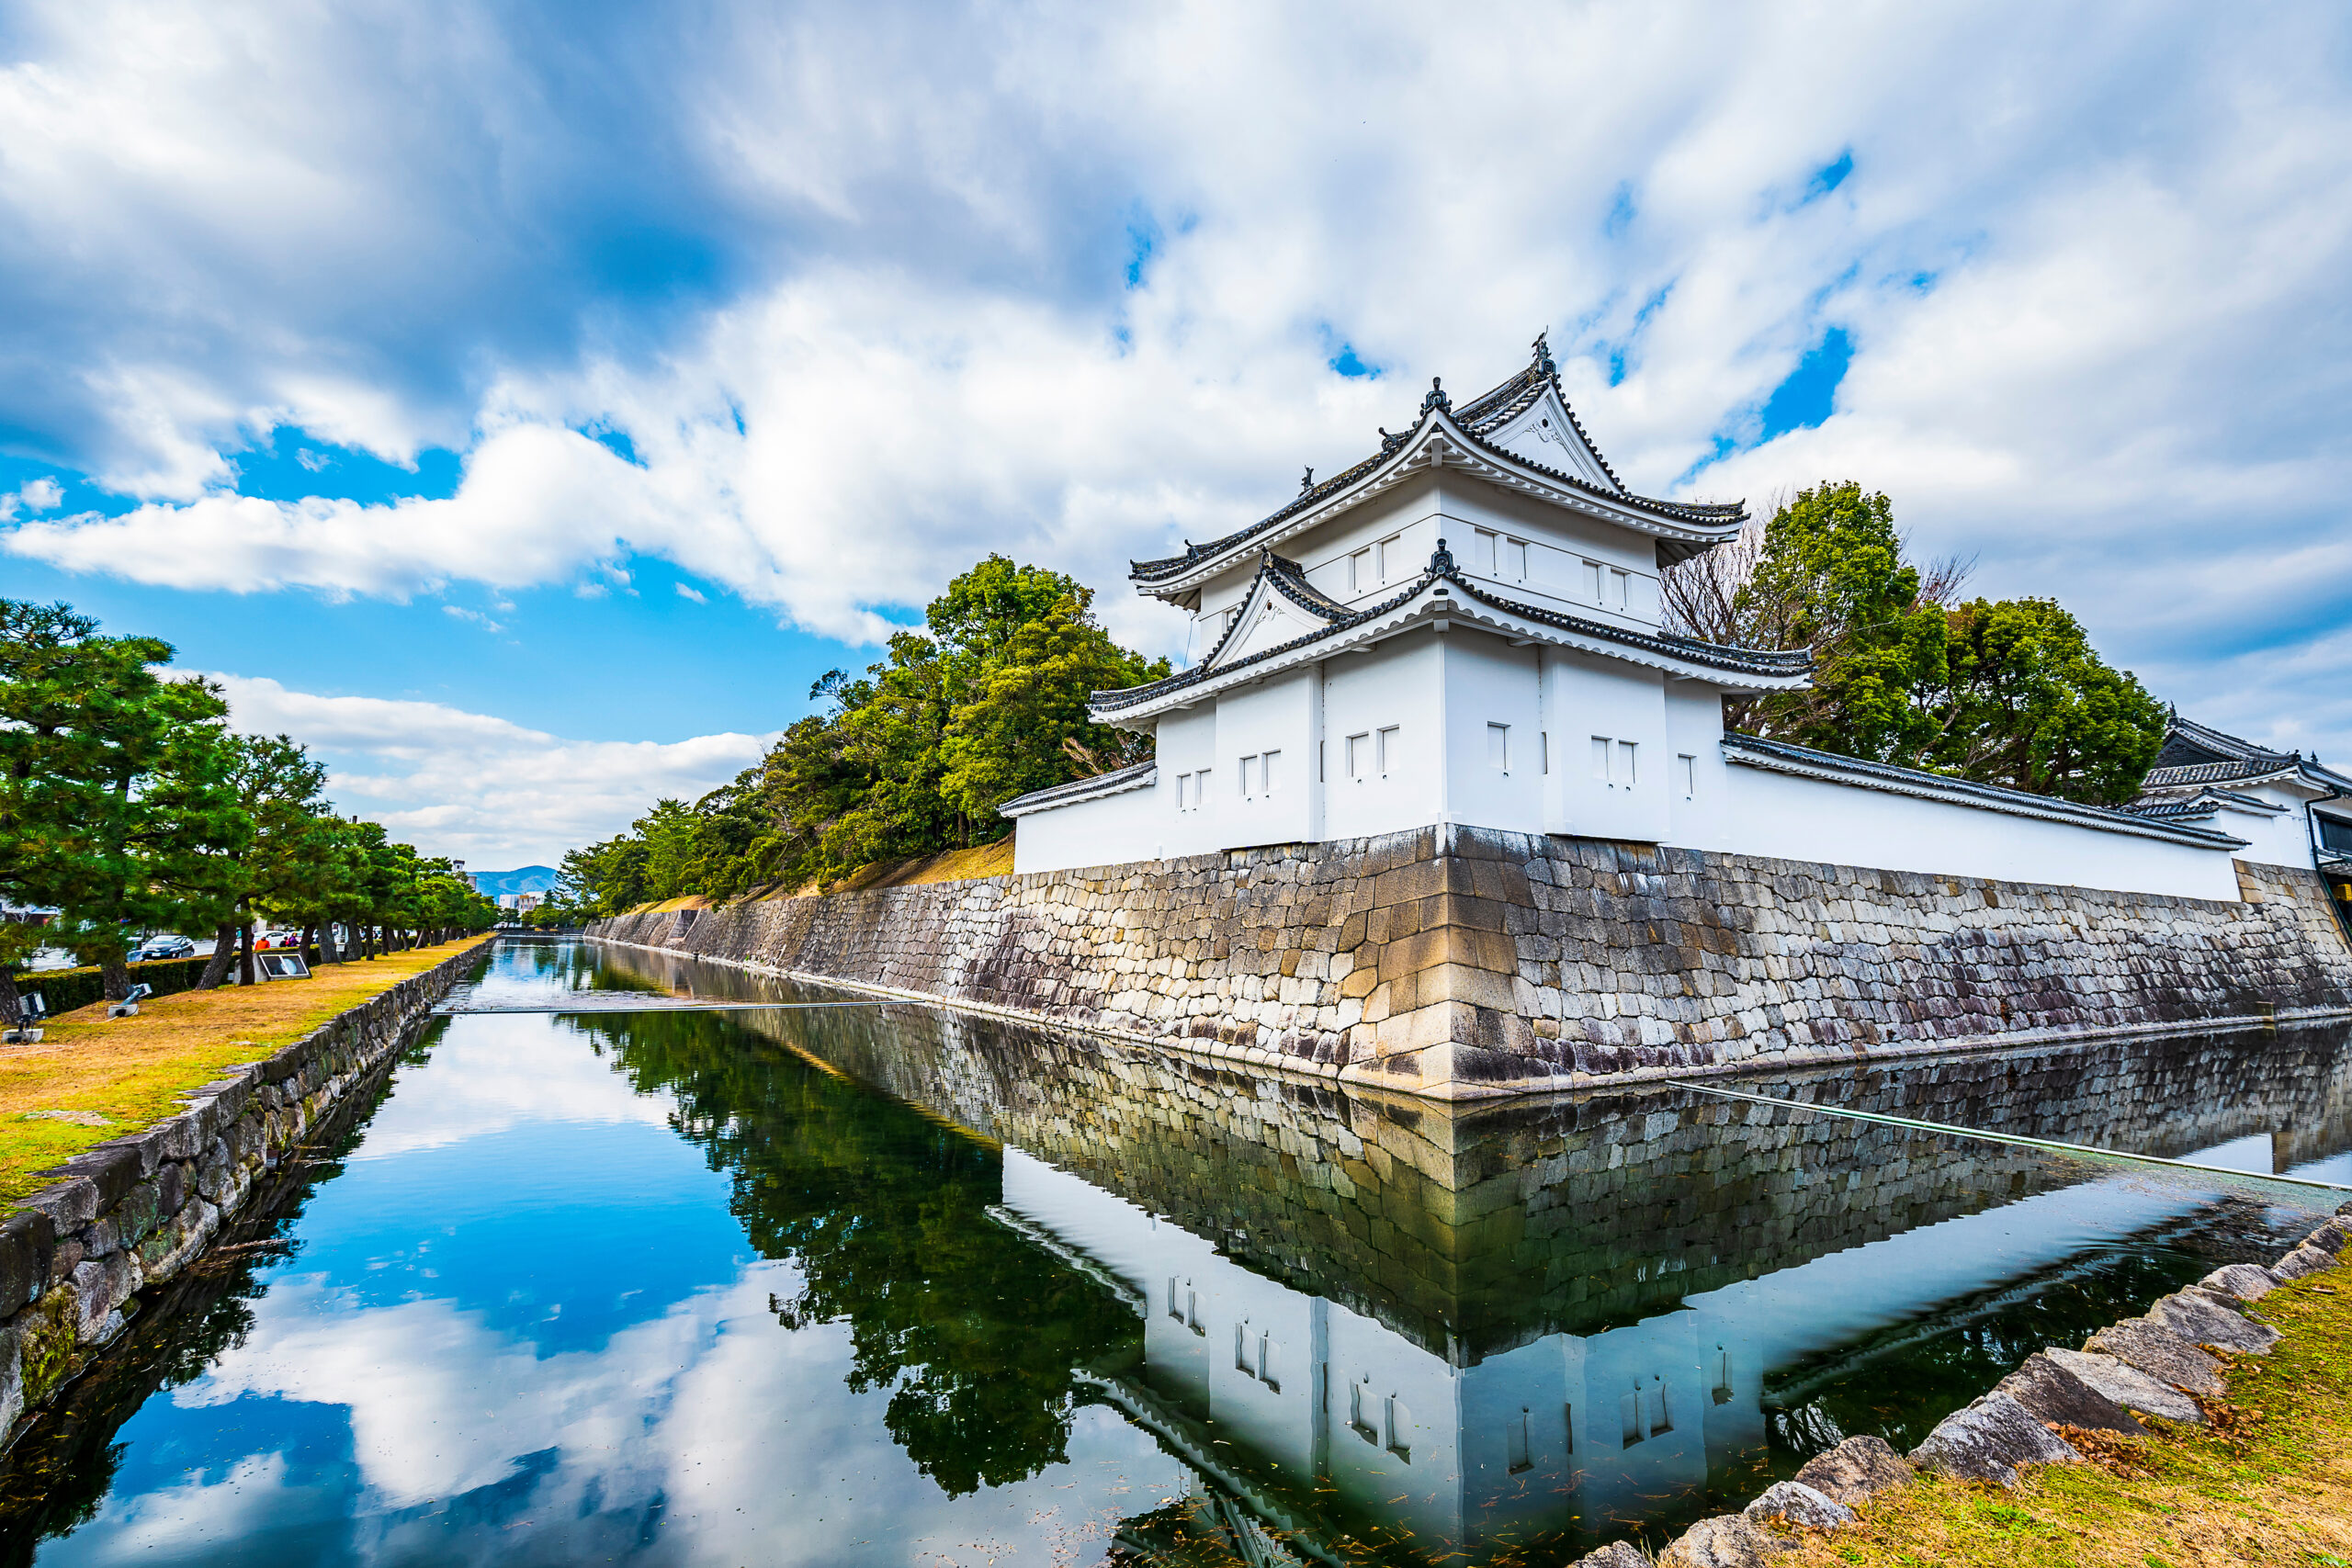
pixel 166 947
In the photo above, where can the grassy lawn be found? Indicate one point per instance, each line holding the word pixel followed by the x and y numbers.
pixel 2269 1482
pixel 91 1078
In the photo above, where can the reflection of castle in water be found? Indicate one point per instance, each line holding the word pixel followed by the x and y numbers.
pixel 1473 1329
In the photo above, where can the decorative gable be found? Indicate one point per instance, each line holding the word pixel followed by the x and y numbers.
pixel 1280 606
pixel 1544 433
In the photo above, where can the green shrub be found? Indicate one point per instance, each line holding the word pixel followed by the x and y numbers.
pixel 65 989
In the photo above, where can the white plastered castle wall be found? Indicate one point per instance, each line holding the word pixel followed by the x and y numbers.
pixel 1786 818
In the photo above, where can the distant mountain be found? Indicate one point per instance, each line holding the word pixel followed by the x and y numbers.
pixel 525 879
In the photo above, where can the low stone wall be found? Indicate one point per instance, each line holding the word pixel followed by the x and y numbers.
pixel 1455 961
pixel 132 1212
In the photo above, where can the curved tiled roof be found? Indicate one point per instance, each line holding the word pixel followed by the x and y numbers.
pixel 1751 662
pixel 1141 775
pixel 1742 747
pixel 1475 420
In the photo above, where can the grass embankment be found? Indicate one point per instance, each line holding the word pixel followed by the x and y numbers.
pixel 92 1079
pixel 949 865
pixel 2270 1481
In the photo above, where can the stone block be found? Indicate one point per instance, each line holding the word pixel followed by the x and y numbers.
pixel 1727 1540
pixel 2246 1281
pixel 2127 1385
pixel 2200 1320
pixel 1988 1440
pixel 2304 1259
pixel 1855 1469
pixel 1793 1502
pixel 2055 1395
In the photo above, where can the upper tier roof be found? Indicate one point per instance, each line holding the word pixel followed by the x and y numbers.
pixel 1441 592
pixel 1529 411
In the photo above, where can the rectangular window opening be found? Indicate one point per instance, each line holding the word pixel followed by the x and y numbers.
pixel 1391 552
pixel 1685 775
pixel 1514 561
pixel 1568 1424
pixel 1269 771
pixel 1360 755
pixel 1391 751
pixel 1482 551
pixel 1521 1455
pixel 1618 581
pixel 1723 1376
pixel 1545 736
pixel 1601 748
pixel 1400 1429
pixel 1629 1415
pixel 1499 747
pixel 1591 583
pixel 1242 1349
pixel 1359 1419
pixel 1625 775
pixel 1661 1419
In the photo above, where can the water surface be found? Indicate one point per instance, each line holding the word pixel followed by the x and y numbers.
pixel 893 1285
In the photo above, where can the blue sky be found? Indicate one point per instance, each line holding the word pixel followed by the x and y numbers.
pixel 546 395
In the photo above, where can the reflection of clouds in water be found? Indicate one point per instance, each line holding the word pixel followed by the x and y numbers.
pixel 741 1437
pixel 238 1503
pixel 490 1073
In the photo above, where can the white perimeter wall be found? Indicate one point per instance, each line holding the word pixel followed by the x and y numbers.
pixel 1786 818
pixel 1440 691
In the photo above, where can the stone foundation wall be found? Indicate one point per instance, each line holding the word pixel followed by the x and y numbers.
pixel 1456 962
pixel 131 1213
pixel 1492 1223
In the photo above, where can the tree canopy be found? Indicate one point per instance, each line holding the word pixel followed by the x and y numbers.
pixel 129 806
pixel 2007 691
pixel 985 702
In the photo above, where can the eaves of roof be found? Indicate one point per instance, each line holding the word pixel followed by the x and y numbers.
pixel 1778 756
pixel 1754 663
pixel 1471 427
pixel 1141 775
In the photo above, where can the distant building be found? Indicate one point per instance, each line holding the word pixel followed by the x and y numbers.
pixel 1465 627
pixel 2290 809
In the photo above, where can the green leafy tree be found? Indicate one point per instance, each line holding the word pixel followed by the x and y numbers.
pixel 1832 577
pixel 116 806
pixel 283 863
pixel 2007 693
pixel 2025 702
pixel 1023 720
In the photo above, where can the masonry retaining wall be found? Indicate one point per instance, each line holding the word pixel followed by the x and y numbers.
pixel 1456 962
pixel 131 1213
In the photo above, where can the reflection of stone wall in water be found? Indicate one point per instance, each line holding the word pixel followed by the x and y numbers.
pixel 1492 1227
pixel 1457 960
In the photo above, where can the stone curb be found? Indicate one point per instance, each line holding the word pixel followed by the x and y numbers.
pixel 2144 1366
pixel 132 1212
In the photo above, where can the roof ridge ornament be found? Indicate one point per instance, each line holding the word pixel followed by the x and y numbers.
pixel 1440 561
pixel 1543 361
pixel 1307 482
pixel 1436 397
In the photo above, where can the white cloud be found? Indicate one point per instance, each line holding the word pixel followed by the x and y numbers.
pixel 696 594
pixel 2089 260
pixel 481 789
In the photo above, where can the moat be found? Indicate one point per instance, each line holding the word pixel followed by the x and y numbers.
pixel 886 1283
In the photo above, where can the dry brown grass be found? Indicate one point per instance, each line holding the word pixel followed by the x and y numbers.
pixel 92 1079
pixel 2270 1483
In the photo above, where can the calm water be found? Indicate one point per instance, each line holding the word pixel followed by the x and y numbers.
pixel 888 1285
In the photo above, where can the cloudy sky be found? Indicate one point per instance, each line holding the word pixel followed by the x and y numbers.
pixel 522 404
